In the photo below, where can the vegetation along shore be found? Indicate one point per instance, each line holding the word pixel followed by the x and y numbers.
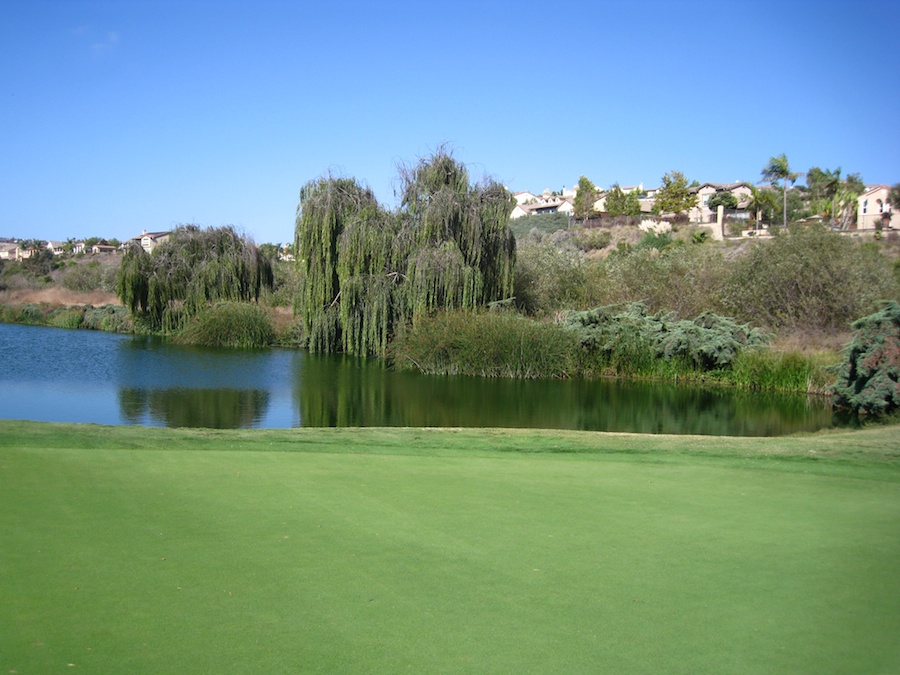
pixel 447 284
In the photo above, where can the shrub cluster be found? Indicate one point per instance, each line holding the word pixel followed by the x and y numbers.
pixel 617 340
pixel 807 277
pixel 629 339
pixel 108 318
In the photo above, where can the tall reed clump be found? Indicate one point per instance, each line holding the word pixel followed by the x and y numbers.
pixel 27 313
pixel 70 317
pixel 487 344
pixel 781 371
pixel 229 324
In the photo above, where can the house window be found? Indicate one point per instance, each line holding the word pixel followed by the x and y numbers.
pixel 880 206
pixel 865 206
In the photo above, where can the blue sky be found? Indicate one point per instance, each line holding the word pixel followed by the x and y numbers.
pixel 119 116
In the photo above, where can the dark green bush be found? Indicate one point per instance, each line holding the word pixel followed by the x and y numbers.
pixel 869 377
pixel 229 324
pixel 631 340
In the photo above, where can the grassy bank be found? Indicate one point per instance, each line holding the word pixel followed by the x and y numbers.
pixel 424 550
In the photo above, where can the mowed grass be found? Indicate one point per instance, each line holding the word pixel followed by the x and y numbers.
pixel 418 550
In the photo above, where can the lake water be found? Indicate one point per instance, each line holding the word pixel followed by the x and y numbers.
pixel 60 375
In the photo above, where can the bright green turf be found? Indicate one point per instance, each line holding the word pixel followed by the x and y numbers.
pixel 131 550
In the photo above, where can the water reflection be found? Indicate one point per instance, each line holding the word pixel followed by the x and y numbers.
pixel 341 391
pixel 82 376
pixel 210 408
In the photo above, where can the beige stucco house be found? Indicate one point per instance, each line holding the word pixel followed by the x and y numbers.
pixel 701 213
pixel 150 240
pixel 873 210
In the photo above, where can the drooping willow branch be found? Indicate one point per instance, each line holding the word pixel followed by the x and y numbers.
pixel 190 270
pixel 448 245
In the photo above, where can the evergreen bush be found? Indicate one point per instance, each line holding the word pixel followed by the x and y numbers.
pixel 869 377
pixel 629 339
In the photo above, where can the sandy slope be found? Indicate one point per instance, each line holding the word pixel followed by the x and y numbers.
pixel 59 296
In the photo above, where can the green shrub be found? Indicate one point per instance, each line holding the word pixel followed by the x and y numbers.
pixel 809 278
pixel 682 279
pixel 229 324
pixel 592 239
pixel 656 240
pixel 547 278
pixel 69 317
pixel 82 278
pixel 542 223
pixel 109 318
pixel 488 344
pixel 631 340
pixel 868 380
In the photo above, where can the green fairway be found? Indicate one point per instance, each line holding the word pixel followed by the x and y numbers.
pixel 134 550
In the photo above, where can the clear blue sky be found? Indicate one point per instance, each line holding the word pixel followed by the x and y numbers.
pixel 119 116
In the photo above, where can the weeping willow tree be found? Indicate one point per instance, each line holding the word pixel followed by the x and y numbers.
pixel 367 271
pixel 191 270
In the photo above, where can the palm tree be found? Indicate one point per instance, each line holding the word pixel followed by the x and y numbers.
pixel 778 169
pixel 760 200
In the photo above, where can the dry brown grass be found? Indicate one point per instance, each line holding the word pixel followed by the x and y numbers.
pixel 57 295
pixel 811 341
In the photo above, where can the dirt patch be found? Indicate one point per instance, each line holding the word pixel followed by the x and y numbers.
pixel 58 296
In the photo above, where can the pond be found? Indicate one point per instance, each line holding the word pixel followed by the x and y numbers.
pixel 60 375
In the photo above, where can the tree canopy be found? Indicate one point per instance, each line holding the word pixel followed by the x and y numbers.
pixel 723 197
pixel 367 271
pixel 615 201
pixel 192 269
pixel 585 196
pixel 675 195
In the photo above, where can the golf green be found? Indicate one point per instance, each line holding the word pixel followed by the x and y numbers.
pixel 168 551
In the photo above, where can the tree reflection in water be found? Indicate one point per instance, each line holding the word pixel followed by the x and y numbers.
pixel 343 391
pixel 209 408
